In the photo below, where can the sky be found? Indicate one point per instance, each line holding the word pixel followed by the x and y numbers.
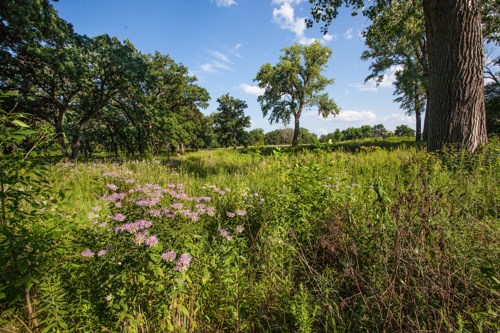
pixel 225 42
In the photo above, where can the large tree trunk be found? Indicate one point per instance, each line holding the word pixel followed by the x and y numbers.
pixel 456 111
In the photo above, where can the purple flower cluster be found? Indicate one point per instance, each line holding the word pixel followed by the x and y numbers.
pixel 87 253
pixel 114 197
pixel 151 241
pixel 240 212
pixel 133 227
pixel 183 263
pixel 169 255
pixel 147 202
pixel 119 217
pixel 226 234
pixel 239 229
pixel 112 187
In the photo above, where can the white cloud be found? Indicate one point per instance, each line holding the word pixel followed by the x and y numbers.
pixel 387 81
pixel 279 2
pixel 347 116
pixel 348 34
pixel 284 16
pixel 329 38
pixel 224 3
pixel 220 62
pixel 306 41
pixel 400 118
pixel 321 131
pixel 221 56
pixel 234 50
pixel 251 90
pixel 208 68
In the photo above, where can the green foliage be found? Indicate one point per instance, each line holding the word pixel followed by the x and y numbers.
pixel 294 84
pixel 492 100
pixel 230 120
pixel 296 241
pixel 404 130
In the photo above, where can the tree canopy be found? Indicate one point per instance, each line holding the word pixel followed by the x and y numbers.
pixel 294 84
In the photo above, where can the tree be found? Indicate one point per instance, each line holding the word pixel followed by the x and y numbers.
pixel 492 97
pixel 256 137
pixel 379 130
pixel 456 110
pixel 43 60
pixel 113 67
pixel 404 130
pixel 294 84
pixel 230 120
pixel 396 40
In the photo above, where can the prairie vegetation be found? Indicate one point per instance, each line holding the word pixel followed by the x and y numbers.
pixel 373 239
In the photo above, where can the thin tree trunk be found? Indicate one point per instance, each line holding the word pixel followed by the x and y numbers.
pixel 418 114
pixel 296 130
pixel 60 132
pixel 456 110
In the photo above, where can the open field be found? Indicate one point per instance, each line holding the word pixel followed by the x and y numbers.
pixel 394 240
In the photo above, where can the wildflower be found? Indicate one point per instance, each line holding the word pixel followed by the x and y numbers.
pixel 112 187
pixel 109 298
pixel 92 215
pixel 210 211
pixel 96 208
pixel 229 214
pixel 118 205
pixel 241 212
pixel 183 263
pixel 226 234
pixel 239 229
pixel 119 217
pixel 169 256
pixel 129 181
pixel 103 224
pixel 87 253
pixel 155 212
pixel 151 241
pixel 177 206
pixel 101 253
pixel 140 237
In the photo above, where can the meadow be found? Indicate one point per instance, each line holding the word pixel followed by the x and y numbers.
pixel 365 237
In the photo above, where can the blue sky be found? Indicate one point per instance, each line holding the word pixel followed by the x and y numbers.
pixel 225 42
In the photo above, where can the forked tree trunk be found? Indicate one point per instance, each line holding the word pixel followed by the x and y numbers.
pixel 456 110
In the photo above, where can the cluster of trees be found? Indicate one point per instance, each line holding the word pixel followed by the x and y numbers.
pixel 102 93
pixel 96 91
pixel 366 131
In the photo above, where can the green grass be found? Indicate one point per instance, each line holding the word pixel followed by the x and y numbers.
pixel 336 239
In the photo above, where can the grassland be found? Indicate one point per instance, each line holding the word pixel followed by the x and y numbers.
pixel 353 239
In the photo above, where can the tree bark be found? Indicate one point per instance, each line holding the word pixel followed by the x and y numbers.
pixel 456 111
pixel 296 130
pixel 418 114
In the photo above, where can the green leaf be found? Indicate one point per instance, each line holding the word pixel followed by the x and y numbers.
pixel 19 123
pixel 184 310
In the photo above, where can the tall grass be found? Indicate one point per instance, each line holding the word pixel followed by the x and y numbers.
pixel 380 240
